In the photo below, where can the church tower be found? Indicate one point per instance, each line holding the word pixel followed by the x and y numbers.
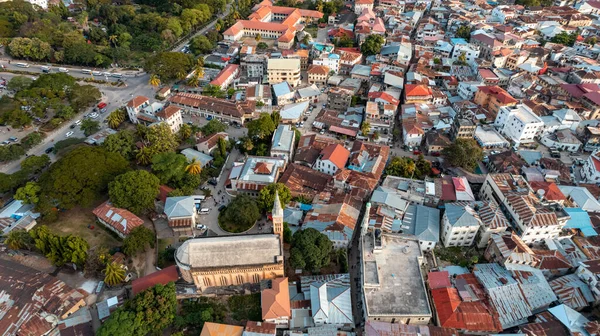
pixel 277 215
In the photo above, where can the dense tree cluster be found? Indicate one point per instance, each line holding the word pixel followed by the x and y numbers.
pixel 310 250
pixel 150 311
pixel 240 215
pixel 407 167
pixel 60 249
pixel 138 240
pixel 266 196
pixel 464 153
pixel 372 45
pixel 134 191
pixel 128 30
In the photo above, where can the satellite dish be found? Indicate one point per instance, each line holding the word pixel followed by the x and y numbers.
pixel 541 193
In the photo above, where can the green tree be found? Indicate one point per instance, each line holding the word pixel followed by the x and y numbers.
pixel 33 139
pixel 134 191
pixel 240 215
pixel 266 196
pixel 81 176
pixel 201 45
pixel 122 142
pixel 114 273
pixel 261 128
pixel 194 167
pixel 464 31
pixel 212 127
pixel 160 139
pixel 422 167
pixel 59 249
pixel 169 66
pixel 154 80
pixel 83 96
pixel 213 91
pixel 464 153
pixel 96 261
pixel 169 166
pixel 89 126
pixel 18 239
pixel 262 46
pixel 287 233
pixel 565 38
pixel 116 118
pixel 33 49
pixel 19 83
pixel 150 311
pixel 138 241
pixel 372 45
pixel 29 193
pixel 401 166
pixel 365 128
pixel 34 164
pixel 310 250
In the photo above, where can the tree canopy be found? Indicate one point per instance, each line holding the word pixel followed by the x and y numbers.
pixel 150 311
pixel 60 249
pixel 310 250
pixel 266 196
pixel 565 38
pixel 138 240
pixel 169 66
pixel 261 128
pixel 464 153
pixel 122 142
pixel 134 191
pixel 169 167
pixel 212 127
pixel 372 45
pixel 80 176
pixel 240 215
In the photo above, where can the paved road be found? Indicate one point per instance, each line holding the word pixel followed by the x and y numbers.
pixel 115 97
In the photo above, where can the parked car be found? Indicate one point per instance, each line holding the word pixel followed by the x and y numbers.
pixel 13 139
pixel 72 126
pixel 222 207
pixel 69 133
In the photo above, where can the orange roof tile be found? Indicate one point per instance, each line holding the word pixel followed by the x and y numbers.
pixel 168 112
pixel 275 301
pixel 452 312
pixel 498 92
pixel 229 70
pixel 137 101
pixel 417 90
pixel 218 329
pixel 318 69
pixel 337 154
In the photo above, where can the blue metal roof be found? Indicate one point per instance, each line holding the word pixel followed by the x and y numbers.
pixel 580 220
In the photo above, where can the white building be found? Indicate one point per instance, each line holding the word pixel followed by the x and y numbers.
pixel 282 144
pixel 590 172
pixel 467 90
pixel 518 123
pixel 461 46
pixel 332 159
pixel 135 106
pixel 463 222
pixel 533 220
pixel 41 3
pixel 332 61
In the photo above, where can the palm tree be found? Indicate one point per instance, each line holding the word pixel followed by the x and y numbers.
pixel 258 37
pixel 116 118
pixel 194 167
pixel 194 80
pixel 113 40
pixel 114 273
pixel 154 80
pixel 17 239
pixel 144 156
pixel 365 127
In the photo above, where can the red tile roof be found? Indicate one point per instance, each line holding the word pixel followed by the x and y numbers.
pixel 162 277
pixel 384 96
pixel 439 280
pixel 275 301
pixel 551 190
pixel 302 180
pixel 225 74
pixel 596 162
pixel 137 101
pixel 215 105
pixel 500 94
pixel 318 69
pixel 163 192
pixel 417 90
pixel 337 154
pixel 121 220
pixel 168 112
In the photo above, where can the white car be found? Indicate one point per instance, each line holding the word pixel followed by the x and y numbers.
pixel 69 133
pixel 94 115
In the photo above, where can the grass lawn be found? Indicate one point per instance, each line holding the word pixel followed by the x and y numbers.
pixel 312 31
pixel 245 307
pixel 461 256
pixel 76 221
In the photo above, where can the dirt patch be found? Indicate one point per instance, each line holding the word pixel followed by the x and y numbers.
pixel 82 222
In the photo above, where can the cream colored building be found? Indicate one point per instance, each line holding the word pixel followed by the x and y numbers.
pixel 233 260
pixel 284 69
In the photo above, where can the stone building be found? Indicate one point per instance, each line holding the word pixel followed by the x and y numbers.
pixel 233 260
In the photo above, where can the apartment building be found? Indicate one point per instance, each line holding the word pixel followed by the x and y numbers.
pixel 533 219
pixel 493 97
pixel 518 123
pixel 284 70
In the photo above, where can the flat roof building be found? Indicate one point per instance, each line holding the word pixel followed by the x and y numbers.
pixel 392 283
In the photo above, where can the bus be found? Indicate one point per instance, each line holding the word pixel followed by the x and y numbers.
pixel 86 71
pixel 23 65
pixel 117 75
